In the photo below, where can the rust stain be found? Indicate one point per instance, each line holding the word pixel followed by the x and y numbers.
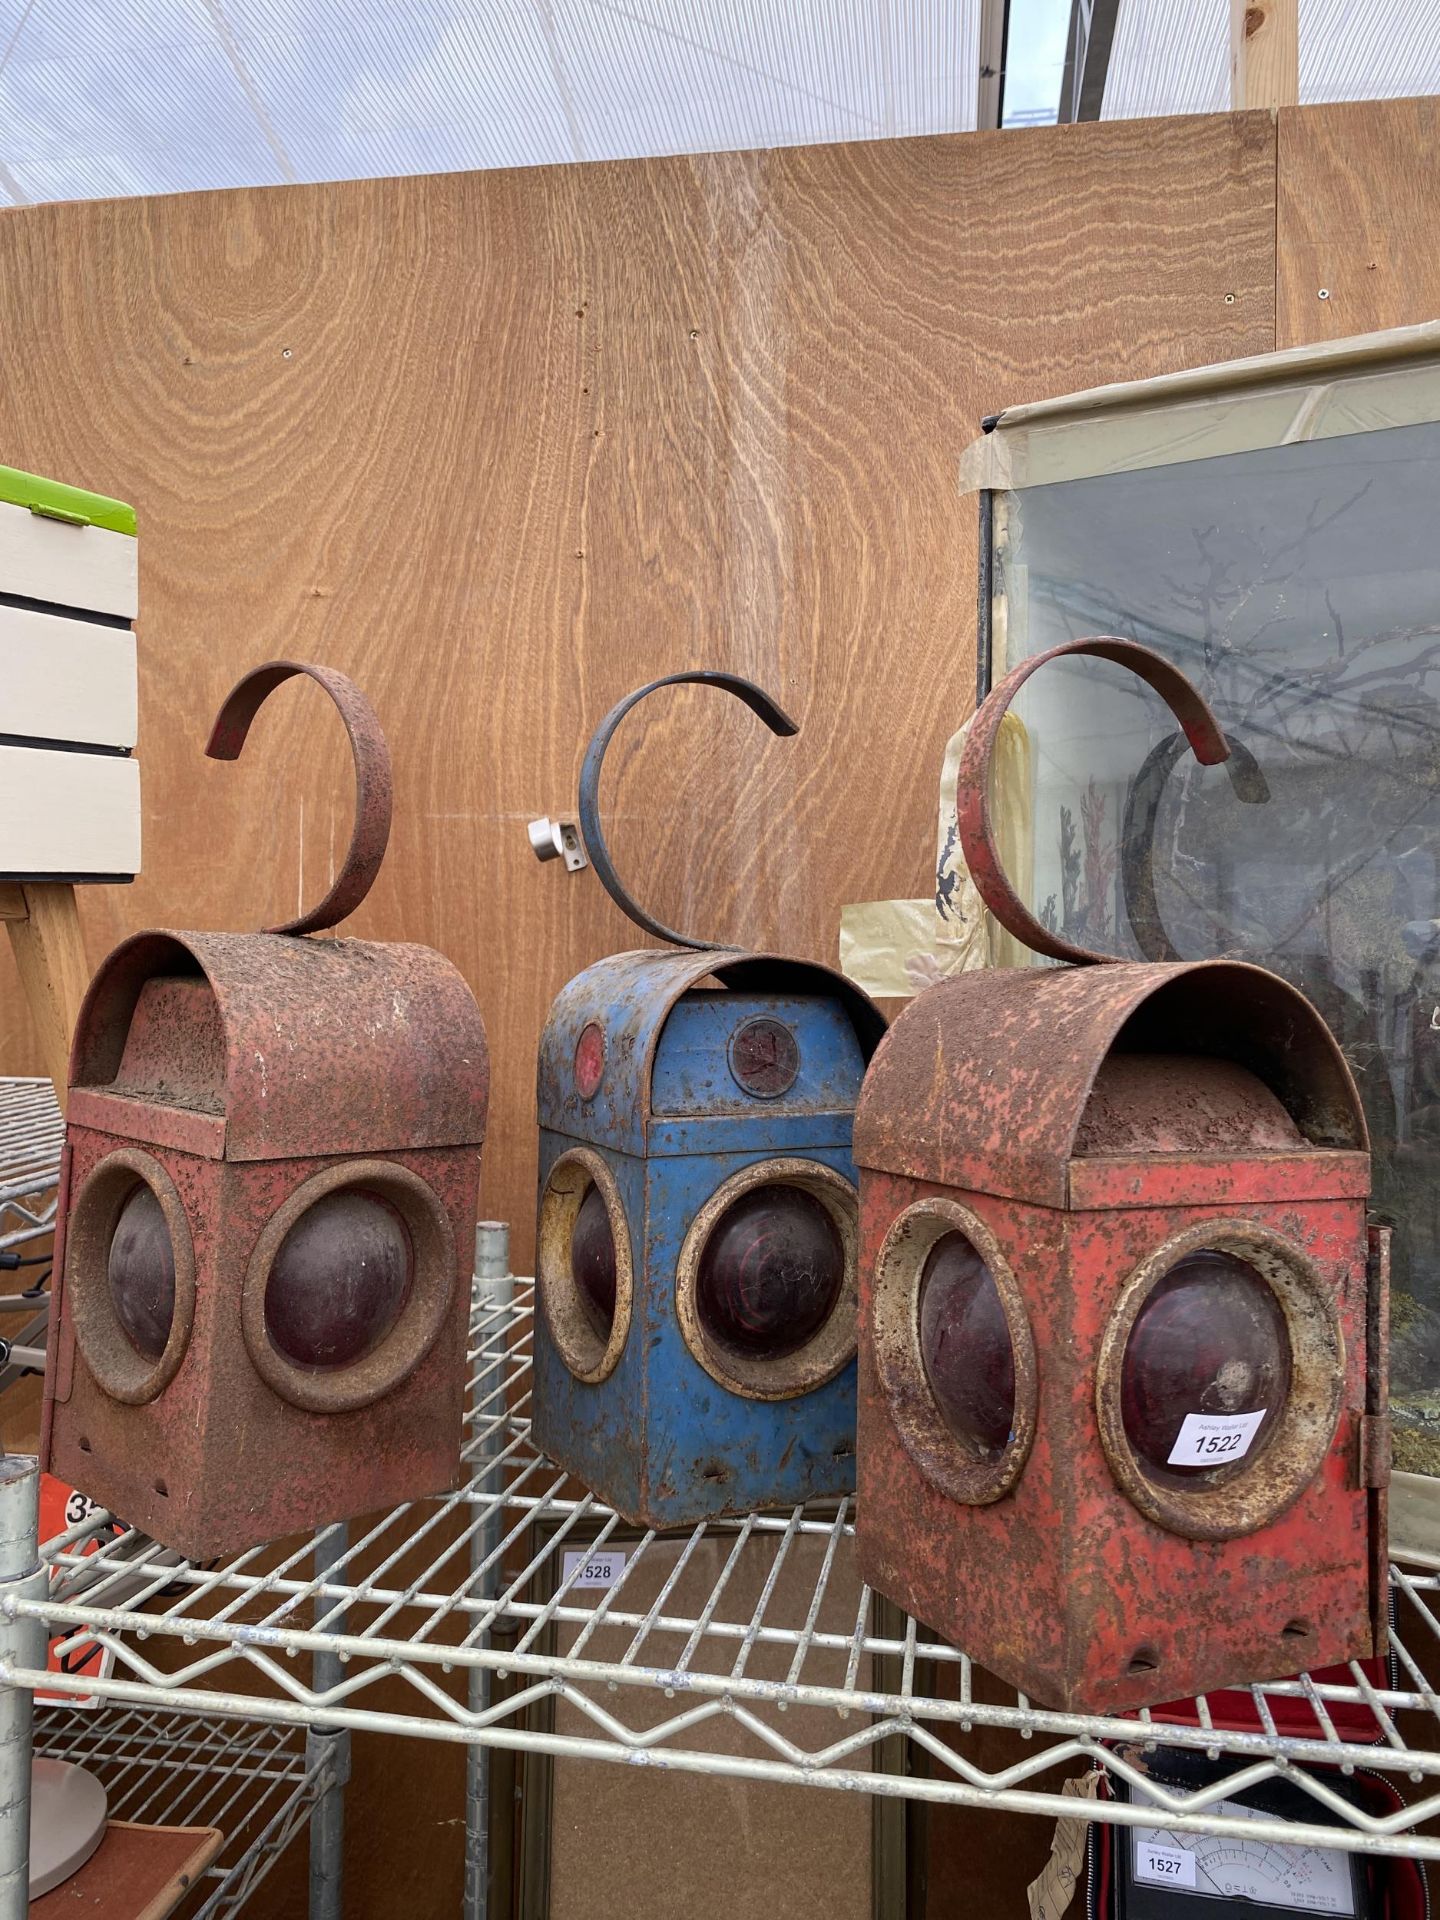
pixel 1087 1129
pixel 243 1078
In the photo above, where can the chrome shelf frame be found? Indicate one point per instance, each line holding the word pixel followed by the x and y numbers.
pixel 32 1134
pixel 258 1784
pixel 459 1592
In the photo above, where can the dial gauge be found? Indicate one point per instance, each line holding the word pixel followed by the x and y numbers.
pixel 1186 1876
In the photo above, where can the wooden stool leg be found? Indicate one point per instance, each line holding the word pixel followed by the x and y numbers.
pixel 44 927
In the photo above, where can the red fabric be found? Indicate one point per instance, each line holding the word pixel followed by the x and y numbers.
pixel 1234 1710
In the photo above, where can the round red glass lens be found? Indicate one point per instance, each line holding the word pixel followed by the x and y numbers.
pixel 1210 1342
pixel 764 1057
pixel 592 1262
pixel 141 1271
pixel 965 1345
pixel 770 1273
pixel 589 1060
pixel 339 1281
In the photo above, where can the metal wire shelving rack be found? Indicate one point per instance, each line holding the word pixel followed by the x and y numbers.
pixel 462 1598
pixel 32 1132
pixel 257 1784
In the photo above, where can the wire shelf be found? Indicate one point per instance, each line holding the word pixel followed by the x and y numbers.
pixel 257 1784
pixel 699 1658
pixel 32 1132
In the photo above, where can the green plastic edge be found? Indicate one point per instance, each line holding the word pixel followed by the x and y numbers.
pixel 55 501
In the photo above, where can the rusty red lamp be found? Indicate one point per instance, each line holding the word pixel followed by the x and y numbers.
pixel 268 1202
pixel 1122 1428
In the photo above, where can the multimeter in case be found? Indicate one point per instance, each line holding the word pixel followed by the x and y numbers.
pixel 1158 1873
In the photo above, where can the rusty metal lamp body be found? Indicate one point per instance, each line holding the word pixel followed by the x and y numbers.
pixel 268 1200
pixel 696 1250
pixel 1122 1389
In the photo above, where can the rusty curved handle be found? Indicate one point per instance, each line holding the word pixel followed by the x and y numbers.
pixel 759 703
pixel 373 785
pixel 977 833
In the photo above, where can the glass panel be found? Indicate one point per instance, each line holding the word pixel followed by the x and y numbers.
pixel 1207 1370
pixel 1299 587
pixel 141 1270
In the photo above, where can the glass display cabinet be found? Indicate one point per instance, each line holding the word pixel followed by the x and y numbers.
pixel 1273 526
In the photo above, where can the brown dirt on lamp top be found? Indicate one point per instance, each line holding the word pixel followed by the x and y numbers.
pixel 1182 1103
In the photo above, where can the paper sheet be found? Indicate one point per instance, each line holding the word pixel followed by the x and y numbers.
pixel 894 949
pixel 1051 1894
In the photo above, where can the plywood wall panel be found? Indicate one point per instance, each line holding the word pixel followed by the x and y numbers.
pixel 1357 194
pixel 503 445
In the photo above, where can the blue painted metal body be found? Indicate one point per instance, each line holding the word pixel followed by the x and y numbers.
pixel 660 1439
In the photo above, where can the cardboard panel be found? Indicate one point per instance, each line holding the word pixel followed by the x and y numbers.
pixel 631 1842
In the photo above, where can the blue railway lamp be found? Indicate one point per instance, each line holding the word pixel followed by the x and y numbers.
pixel 696 1245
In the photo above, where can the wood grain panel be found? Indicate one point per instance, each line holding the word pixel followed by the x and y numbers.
pixel 503 445
pixel 1357 215
pixel 1264 53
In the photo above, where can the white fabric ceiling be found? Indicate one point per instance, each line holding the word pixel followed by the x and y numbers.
pixel 1173 56
pixel 107 97
pixel 110 97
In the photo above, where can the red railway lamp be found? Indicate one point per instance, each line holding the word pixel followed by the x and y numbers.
pixel 1122 1388
pixel 268 1206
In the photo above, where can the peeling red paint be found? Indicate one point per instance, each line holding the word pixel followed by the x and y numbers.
pixel 243 1078
pixel 1087 1129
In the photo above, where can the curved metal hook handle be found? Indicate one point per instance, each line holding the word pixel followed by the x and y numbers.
pixel 977 833
pixel 1137 835
pixel 758 701
pixel 373 786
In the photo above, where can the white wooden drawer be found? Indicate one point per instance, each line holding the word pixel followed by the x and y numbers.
pixel 64 679
pixel 68 814
pixel 86 567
